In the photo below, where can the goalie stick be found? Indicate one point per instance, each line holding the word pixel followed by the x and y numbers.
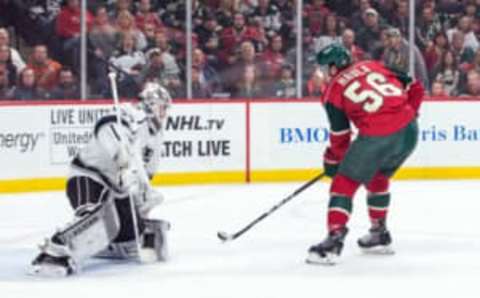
pixel 224 236
pixel 113 82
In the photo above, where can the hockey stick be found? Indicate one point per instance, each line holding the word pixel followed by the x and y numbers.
pixel 116 103
pixel 224 236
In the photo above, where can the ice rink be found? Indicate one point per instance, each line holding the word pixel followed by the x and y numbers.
pixel 435 226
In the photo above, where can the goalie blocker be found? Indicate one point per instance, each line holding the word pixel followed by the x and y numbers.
pixel 110 195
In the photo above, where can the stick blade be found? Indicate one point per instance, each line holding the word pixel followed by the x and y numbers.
pixel 224 236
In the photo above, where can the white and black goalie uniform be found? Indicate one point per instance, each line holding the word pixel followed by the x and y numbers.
pixel 109 175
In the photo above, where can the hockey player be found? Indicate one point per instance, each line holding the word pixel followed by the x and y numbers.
pixel 110 192
pixel 382 104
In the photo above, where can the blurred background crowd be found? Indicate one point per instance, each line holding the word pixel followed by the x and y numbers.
pixel 240 48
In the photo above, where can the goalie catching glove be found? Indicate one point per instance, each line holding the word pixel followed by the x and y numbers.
pixel 144 196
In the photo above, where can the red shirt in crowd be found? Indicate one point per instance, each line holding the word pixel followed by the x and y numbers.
pixel 231 38
pixel 315 16
pixel 68 22
pixel 273 62
pixel 142 19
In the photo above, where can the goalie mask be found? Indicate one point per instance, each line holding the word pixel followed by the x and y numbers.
pixel 155 101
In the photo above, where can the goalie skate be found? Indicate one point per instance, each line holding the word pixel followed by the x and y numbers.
pixel 53 261
pixel 328 251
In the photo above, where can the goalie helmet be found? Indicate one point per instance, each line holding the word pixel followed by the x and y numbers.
pixel 155 101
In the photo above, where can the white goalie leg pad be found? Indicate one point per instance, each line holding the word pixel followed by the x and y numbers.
pixel 93 230
pixel 154 246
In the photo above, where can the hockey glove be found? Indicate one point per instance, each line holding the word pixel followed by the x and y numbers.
pixel 330 169
pixel 416 93
pixel 129 181
pixel 146 200
pixel 331 162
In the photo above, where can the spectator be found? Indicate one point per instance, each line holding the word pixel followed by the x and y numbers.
pixel 358 17
pixel 14 55
pixel 68 29
pixel 330 33
pixel 233 36
pixel 199 88
pixel 125 25
pixel 316 85
pixel 475 64
pixel 102 41
pixel 435 50
pixel 348 41
pixel 128 58
pixel 103 34
pixel 428 29
pixel 208 34
pixel 285 87
pixel 130 61
pixel 163 44
pixel 121 6
pixel 464 25
pixel 26 88
pixel 6 91
pixel 448 73
pixel 472 10
pixel 396 56
pixel 309 61
pixel 145 15
pixel 473 84
pixel 67 87
pixel 207 76
pixel 287 20
pixel 155 69
pixel 463 54
pixel 438 89
pixel 369 34
pixel 225 13
pixel 314 14
pixel 246 58
pixel 6 63
pixel 267 16
pixel 149 30
pixel 176 88
pixel 68 20
pixel 273 58
pixel 172 13
pixel 46 70
pixel 249 86
pixel 400 18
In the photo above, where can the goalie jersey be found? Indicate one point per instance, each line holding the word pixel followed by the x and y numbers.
pixel 115 147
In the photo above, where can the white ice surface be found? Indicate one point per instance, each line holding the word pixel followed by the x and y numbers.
pixel 435 226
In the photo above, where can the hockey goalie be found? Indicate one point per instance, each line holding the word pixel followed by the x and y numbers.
pixel 109 189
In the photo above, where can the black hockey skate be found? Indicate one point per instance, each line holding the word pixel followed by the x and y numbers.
pixel 53 261
pixel 327 251
pixel 377 241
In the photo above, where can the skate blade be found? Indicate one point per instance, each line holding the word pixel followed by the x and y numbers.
pixel 378 250
pixel 47 270
pixel 315 259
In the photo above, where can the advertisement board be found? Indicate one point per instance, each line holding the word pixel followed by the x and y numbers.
pixel 39 141
pixel 237 141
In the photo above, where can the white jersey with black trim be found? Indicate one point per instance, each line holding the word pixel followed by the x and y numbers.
pixel 99 158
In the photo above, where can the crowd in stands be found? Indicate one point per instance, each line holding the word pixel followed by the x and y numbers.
pixel 240 48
